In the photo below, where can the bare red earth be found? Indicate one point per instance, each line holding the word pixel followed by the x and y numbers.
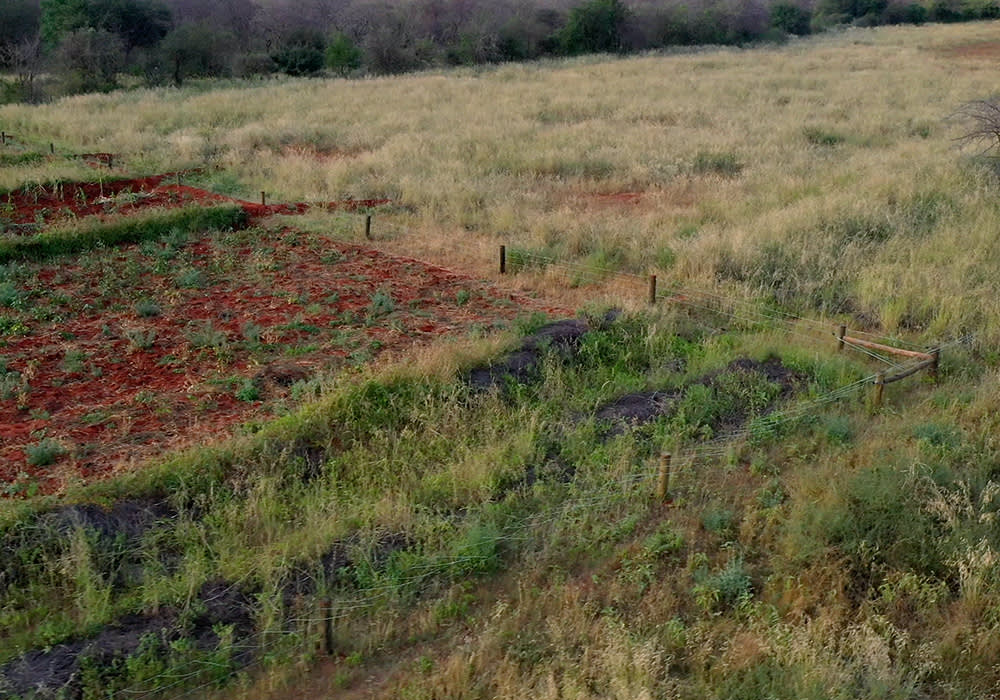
pixel 62 202
pixel 231 323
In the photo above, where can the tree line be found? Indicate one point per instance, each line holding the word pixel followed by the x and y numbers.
pixel 56 47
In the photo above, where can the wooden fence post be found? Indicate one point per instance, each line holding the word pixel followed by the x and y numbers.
pixel 503 260
pixel 52 149
pixel 3 137
pixel 328 641
pixel 841 332
pixel 263 198
pixel 879 388
pixel 652 289
pixel 368 226
pixel 935 361
pixel 663 482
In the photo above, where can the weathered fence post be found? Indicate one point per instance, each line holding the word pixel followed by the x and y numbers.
pixel 503 260
pixel 368 226
pixel 879 388
pixel 935 361
pixel 652 289
pixel 663 482
pixel 328 641
pixel 52 149
pixel 263 198
pixel 841 332
pixel 111 162
pixel 3 137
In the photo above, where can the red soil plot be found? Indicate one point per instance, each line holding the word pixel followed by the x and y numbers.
pixel 49 204
pixel 123 354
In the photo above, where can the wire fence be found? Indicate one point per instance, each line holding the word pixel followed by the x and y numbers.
pixel 631 489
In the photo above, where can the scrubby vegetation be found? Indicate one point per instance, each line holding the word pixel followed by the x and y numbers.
pixel 57 47
pixel 484 519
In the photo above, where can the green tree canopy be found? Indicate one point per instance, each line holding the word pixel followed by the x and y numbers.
pixel 301 53
pixel 196 49
pixel 134 22
pixel 594 27
pixel 342 54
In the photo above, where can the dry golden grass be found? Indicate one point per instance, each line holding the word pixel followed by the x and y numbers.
pixel 719 152
pixel 828 160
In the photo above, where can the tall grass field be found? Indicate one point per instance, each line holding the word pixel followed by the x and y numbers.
pixel 435 526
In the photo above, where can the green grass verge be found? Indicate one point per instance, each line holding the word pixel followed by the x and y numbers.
pixel 88 235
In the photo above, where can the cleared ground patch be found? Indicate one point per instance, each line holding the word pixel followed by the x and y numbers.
pixel 111 357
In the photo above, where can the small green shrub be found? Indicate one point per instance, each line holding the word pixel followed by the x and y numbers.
pixel 817 136
pixel 44 453
pixel 147 308
pixel 140 338
pixel 381 304
pixel 247 391
pixel 205 335
pixel 718 521
pixel 727 588
pixel 838 430
pixel 10 295
pixel 73 362
pixel 191 278
pixel 724 164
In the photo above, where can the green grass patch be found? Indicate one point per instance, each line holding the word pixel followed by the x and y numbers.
pixel 89 235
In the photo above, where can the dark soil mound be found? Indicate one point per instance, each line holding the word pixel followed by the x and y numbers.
pixel 55 672
pixel 521 365
pixel 636 409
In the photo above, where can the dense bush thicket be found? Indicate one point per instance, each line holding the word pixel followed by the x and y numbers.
pixel 88 45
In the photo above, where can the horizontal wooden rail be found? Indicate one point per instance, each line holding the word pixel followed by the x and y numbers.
pixel 850 340
pixel 913 370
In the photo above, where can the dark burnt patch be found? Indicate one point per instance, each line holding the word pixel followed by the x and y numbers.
pixel 56 672
pixel 636 409
pixel 736 389
pixel 128 520
pixel 521 365
pixel 310 458
pixel 282 373
pixel 115 533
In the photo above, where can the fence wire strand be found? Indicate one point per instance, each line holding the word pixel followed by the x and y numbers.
pixel 702 454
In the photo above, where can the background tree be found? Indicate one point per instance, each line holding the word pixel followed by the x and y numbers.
pixel 303 52
pixel 594 27
pixel 135 22
pixel 343 56
pixel 90 60
pixel 196 50
pixel 19 21
pixel 233 17
pixel 790 18
pixel 391 46
pixel 61 17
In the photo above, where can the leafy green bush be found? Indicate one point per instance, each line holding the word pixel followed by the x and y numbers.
pixel 342 55
pixel 726 588
pixel 879 523
pixel 790 18
pixel 724 164
pixel 302 53
pixel 594 27
pixel 818 136
pixel 44 453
